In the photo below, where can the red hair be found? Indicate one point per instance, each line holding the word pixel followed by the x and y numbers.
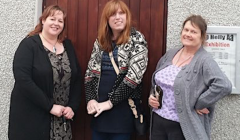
pixel 50 11
pixel 105 32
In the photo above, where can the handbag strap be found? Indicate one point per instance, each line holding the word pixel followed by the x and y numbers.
pixel 130 101
pixel 113 63
pixel 134 110
pixel 133 107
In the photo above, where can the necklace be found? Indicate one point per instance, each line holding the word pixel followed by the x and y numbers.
pixel 54 46
pixel 183 60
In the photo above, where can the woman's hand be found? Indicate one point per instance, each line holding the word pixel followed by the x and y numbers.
pixel 57 110
pixel 203 111
pixel 68 113
pixel 104 106
pixel 92 106
pixel 153 102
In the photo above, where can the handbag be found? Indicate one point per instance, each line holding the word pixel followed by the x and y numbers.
pixel 140 123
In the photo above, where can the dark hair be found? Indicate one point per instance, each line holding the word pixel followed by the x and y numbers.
pixel 49 11
pixel 197 20
pixel 105 32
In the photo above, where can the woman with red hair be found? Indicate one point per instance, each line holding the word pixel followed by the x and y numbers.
pixel 107 92
pixel 46 93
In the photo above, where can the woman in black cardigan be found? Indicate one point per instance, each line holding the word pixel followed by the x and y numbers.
pixel 46 93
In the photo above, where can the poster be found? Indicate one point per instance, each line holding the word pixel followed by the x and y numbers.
pixel 223 44
pixel 222 47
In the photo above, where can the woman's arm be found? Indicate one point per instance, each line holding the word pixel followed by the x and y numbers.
pixel 137 66
pixel 22 70
pixel 91 81
pixel 217 83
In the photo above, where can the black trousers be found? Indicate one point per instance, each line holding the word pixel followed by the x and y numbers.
pixel 163 129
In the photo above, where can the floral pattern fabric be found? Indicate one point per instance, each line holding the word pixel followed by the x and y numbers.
pixel 61 81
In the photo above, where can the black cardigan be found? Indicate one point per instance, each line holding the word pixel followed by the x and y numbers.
pixel 31 99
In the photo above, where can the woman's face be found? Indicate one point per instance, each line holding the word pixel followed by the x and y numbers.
pixel 53 25
pixel 191 35
pixel 117 21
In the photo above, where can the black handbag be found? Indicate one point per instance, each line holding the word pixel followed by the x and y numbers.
pixel 140 121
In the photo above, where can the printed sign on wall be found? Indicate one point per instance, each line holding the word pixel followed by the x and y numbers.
pixel 223 44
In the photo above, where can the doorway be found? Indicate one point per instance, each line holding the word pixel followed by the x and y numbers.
pixel 150 18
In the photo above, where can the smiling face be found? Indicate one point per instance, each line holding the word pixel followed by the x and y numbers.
pixel 191 35
pixel 53 25
pixel 117 21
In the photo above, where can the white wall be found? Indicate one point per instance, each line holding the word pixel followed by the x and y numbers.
pixel 226 125
pixel 16 20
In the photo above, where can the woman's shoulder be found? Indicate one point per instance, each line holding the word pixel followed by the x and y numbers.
pixel 30 41
pixel 28 44
pixel 173 51
pixel 68 41
pixel 30 38
pixel 204 56
pixel 135 34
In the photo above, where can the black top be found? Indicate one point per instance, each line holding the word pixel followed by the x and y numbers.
pixel 119 119
pixel 32 95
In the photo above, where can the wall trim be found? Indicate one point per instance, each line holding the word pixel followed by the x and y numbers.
pixel 38 11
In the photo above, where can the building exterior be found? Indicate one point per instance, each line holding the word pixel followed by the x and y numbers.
pixel 18 17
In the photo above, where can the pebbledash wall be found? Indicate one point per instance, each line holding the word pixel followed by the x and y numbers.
pixel 18 17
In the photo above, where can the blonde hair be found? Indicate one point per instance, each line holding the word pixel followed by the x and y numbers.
pixel 49 11
pixel 105 33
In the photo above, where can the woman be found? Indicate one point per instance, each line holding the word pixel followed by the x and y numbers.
pixel 108 100
pixel 46 94
pixel 192 83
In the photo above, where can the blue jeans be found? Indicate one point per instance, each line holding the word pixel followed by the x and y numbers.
pixel 110 136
